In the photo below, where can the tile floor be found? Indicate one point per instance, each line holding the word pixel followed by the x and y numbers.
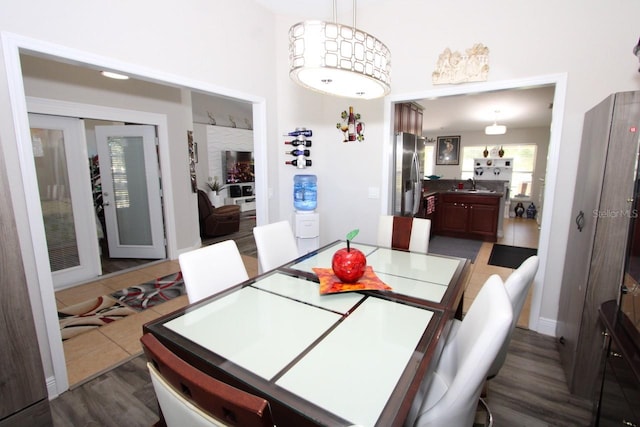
pixel 89 354
pixel 92 353
pixel 517 232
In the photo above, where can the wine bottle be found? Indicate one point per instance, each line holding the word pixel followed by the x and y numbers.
pixel 351 125
pixel 299 153
pixel 300 131
pixel 297 142
pixel 300 162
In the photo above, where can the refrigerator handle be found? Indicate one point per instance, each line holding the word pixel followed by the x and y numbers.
pixel 417 187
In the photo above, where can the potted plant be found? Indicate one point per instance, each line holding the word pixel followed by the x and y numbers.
pixel 214 191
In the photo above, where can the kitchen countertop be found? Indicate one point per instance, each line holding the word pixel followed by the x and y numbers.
pixel 465 191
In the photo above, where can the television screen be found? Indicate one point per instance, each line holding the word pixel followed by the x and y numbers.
pixel 238 166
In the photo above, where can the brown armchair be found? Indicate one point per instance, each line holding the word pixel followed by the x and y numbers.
pixel 217 221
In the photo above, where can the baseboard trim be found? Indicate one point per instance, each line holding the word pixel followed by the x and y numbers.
pixel 52 389
pixel 547 326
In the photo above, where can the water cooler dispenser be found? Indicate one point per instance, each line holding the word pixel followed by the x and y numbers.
pixel 307 220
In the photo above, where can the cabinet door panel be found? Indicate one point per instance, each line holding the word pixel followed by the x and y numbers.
pixel 582 229
pixel 453 217
pixel 597 237
pixel 483 219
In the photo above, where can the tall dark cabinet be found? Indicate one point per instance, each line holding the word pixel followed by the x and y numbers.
pixel 618 403
pixel 23 392
pixel 597 240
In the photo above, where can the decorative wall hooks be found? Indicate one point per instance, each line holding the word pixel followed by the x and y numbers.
pixel 351 126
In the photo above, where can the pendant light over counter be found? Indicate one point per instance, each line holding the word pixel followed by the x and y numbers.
pixel 495 128
pixel 339 60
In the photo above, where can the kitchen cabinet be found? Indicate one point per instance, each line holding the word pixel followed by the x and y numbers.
pixel 617 401
pixel 466 215
pixel 597 240
pixel 408 118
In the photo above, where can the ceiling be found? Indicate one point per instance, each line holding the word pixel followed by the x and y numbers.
pixel 317 9
pixel 519 108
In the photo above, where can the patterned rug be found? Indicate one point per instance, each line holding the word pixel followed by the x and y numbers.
pixel 150 294
pixel 91 314
pixel 105 309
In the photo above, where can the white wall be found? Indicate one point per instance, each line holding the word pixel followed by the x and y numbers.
pixel 591 41
pixel 238 45
pixel 218 44
pixel 218 140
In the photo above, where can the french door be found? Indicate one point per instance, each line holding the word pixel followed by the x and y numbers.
pixel 131 188
pixel 62 169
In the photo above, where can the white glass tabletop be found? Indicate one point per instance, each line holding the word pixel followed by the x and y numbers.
pixel 338 356
pixel 353 371
pixel 308 291
pixel 413 274
pixel 246 326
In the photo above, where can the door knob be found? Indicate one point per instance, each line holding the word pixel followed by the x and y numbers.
pixel 105 204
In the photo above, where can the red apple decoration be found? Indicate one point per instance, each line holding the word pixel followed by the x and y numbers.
pixel 347 263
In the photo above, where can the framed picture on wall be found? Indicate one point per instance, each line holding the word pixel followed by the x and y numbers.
pixel 192 161
pixel 448 150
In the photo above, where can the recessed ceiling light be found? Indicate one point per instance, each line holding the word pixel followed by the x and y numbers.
pixel 113 75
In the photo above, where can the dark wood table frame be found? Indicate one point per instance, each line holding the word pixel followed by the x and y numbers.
pixel 291 410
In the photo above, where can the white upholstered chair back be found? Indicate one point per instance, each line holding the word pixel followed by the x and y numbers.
pixel 211 269
pixel 420 230
pixel 517 286
pixel 276 244
pixel 449 397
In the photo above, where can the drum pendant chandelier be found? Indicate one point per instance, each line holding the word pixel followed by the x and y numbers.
pixel 339 60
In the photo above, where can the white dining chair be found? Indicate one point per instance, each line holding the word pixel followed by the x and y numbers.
pixel 450 395
pixel 393 232
pixel 211 269
pixel 517 285
pixel 276 245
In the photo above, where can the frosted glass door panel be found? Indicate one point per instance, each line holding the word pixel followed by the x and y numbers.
pixel 130 196
pixel 131 191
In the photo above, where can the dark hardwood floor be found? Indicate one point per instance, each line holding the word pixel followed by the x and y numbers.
pixel 530 390
pixel 243 237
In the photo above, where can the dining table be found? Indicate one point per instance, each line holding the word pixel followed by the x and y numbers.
pixel 343 357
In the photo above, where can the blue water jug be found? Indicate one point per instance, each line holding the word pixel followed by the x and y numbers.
pixel 305 192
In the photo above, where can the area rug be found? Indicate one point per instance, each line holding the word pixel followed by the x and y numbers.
pixel 452 246
pixel 91 314
pixel 105 309
pixel 510 256
pixel 147 295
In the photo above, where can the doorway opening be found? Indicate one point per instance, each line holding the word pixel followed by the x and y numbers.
pixel 99 217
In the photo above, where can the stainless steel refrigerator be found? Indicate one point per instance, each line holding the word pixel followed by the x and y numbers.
pixel 408 157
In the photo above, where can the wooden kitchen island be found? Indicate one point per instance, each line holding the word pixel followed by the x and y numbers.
pixel 468 214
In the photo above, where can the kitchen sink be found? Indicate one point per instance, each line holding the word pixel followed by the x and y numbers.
pixel 472 191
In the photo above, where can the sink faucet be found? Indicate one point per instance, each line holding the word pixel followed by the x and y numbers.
pixel 473 183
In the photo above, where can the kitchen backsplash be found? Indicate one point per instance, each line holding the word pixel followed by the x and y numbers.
pixel 431 185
